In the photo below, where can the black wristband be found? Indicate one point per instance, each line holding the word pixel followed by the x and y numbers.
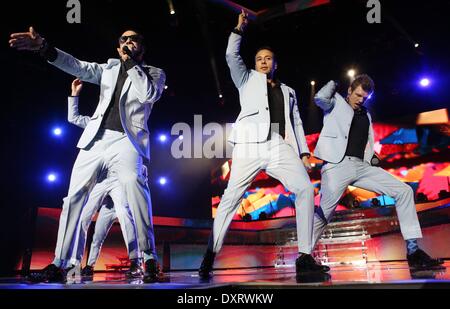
pixel 47 51
pixel 237 31
pixel 305 154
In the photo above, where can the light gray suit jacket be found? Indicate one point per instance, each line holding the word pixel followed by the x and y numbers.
pixel 337 120
pixel 142 88
pixel 74 117
pixel 253 122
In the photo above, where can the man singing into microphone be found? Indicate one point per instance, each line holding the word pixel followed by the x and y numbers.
pixel 116 138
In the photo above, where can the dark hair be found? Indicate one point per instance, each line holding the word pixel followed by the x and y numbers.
pixel 266 48
pixel 365 82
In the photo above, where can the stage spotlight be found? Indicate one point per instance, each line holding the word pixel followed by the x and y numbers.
pixel 351 73
pixel 166 87
pixel 57 131
pixel 220 96
pixel 52 177
pixel 416 45
pixel 171 7
pixel 313 83
pixel 162 138
pixel 162 181
pixel 424 82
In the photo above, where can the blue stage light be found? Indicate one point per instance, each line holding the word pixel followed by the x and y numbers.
pixel 57 131
pixel 52 177
pixel 425 82
pixel 162 181
pixel 162 138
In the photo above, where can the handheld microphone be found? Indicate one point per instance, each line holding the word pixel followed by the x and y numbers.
pixel 127 51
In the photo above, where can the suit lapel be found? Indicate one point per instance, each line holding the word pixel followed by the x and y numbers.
pixel 289 125
pixel 287 107
pixel 126 85
pixel 371 137
pixel 111 77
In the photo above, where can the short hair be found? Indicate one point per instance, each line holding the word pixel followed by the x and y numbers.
pixel 364 81
pixel 266 48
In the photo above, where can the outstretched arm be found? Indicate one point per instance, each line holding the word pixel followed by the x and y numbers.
pixel 32 41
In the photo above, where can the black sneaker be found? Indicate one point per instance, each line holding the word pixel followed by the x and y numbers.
pixel 152 271
pixel 136 270
pixel 305 263
pixel 421 260
pixel 205 270
pixel 87 271
pixel 51 273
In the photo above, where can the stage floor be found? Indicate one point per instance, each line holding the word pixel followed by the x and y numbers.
pixel 371 275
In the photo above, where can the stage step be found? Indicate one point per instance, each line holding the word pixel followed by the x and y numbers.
pixel 343 245
pixel 340 244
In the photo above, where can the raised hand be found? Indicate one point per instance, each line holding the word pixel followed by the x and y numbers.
pixel 77 85
pixel 242 20
pixel 30 40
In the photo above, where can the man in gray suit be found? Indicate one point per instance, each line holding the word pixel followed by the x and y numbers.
pixel 106 196
pixel 268 135
pixel 346 145
pixel 116 137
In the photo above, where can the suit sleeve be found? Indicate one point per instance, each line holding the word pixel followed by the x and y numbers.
pixel 238 69
pixel 147 81
pixel 73 116
pixel 323 98
pixel 90 72
pixel 298 127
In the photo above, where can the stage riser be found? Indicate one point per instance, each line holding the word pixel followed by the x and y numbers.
pixel 182 247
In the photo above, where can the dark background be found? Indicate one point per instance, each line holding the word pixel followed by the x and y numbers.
pixel 319 44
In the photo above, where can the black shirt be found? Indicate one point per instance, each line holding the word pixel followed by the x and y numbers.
pixel 276 109
pixel 359 130
pixel 111 120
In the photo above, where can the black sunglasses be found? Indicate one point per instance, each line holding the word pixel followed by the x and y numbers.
pixel 135 38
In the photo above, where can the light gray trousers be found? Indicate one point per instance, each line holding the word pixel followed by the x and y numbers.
pixel 111 151
pixel 110 209
pixel 356 172
pixel 281 162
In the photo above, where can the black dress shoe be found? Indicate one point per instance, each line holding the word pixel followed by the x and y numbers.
pixel 205 270
pixel 152 271
pixel 51 273
pixel 87 271
pixel 313 277
pixel 421 260
pixel 136 270
pixel 305 263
